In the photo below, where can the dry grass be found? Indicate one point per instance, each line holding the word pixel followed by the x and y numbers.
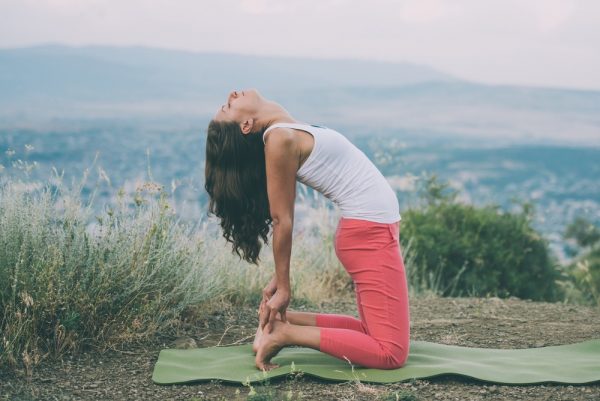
pixel 70 279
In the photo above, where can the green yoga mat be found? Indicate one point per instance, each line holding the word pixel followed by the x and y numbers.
pixel 571 363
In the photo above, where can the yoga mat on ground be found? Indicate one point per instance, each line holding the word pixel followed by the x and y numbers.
pixel 571 363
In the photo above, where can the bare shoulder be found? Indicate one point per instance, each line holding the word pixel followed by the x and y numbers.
pixel 281 141
pixel 278 136
pixel 282 147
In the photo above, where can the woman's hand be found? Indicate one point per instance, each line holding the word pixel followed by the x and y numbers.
pixel 270 289
pixel 278 303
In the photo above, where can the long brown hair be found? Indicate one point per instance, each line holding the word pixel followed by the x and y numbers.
pixel 236 182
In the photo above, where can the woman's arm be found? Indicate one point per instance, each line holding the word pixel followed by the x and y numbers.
pixel 281 158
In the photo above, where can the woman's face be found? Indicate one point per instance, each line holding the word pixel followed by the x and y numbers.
pixel 240 106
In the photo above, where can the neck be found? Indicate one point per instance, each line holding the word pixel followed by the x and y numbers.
pixel 274 113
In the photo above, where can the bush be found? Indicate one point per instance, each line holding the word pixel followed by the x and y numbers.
pixel 583 274
pixel 463 250
pixel 65 284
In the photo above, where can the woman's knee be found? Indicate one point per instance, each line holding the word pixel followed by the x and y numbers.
pixel 395 357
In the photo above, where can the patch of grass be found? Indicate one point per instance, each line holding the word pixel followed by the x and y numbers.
pixel 66 283
pixel 265 392
pixel 374 392
pixel 72 278
pixel 402 395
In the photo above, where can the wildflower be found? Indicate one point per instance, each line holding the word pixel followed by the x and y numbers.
pixel 103 175
pixel 149 187
pixel 174 185
pixel 27 299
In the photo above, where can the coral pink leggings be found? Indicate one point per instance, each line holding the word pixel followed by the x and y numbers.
pixel 370 253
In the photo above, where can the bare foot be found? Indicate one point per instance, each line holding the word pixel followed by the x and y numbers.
pixel 258 334
pixel 269 345
pixel 257 338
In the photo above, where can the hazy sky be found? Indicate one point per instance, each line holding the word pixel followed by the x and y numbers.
pixel 530 42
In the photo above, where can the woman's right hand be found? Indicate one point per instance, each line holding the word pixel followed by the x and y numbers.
pixel 270 289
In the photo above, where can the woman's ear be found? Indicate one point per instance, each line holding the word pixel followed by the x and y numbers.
pixel 247 126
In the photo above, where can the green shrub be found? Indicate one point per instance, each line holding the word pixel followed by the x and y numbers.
pixel 463 250
pixel 585 234
pixel 582 284
pixel 584 274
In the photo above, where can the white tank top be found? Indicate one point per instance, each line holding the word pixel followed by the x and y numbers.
pixel 345 175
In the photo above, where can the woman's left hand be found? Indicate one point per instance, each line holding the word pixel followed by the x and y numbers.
pixel 278 303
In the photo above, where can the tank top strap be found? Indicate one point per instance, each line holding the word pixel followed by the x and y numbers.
pixel 290 125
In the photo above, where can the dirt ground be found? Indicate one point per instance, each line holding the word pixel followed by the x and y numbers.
pixel 125 374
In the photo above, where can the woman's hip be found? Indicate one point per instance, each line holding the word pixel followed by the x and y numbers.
pixel 368 245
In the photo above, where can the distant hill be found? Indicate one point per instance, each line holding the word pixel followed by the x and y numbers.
pixel 136 73
pixel 45 83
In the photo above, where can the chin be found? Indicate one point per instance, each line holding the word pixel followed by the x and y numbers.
pixel 253 92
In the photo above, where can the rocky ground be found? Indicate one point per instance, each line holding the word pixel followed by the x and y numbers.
pixel 125 374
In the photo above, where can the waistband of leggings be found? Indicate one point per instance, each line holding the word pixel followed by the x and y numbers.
pixel 352 222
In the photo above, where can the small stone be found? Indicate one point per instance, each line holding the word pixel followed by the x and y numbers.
pixel 185 343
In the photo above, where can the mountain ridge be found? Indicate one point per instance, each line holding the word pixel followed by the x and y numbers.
pixel 48 82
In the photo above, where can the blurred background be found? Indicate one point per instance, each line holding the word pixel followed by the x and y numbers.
pixel 501 98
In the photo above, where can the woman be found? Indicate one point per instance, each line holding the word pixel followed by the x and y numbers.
pixel 255 152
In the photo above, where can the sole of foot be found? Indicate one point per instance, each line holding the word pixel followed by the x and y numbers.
pixel 257 337
pixel 258 334
pixel 269 345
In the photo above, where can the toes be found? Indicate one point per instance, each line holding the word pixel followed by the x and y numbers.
pixel 264 363
pixel 269 366
pixel 266 366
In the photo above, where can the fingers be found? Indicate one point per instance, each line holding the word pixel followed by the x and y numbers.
pixel 264 316
pixel 261 307
pixel 272 317
pixel 283 316
pixel 264 321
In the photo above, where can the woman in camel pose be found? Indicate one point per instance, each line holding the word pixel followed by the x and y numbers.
pixel 255 152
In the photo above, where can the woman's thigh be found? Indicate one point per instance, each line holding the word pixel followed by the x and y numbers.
pixel 370 253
